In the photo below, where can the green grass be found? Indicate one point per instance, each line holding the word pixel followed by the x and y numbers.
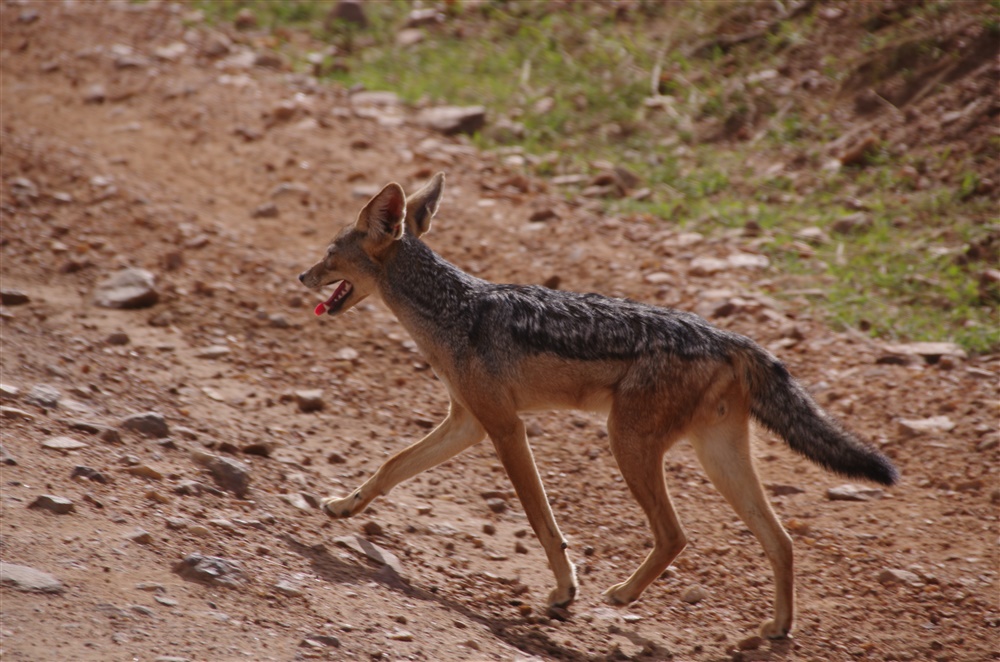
pixel 577 78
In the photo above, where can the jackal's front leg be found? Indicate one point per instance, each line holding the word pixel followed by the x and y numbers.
pixel 512 448
pixel 456 433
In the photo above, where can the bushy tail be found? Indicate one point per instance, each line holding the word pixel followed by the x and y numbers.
pixel 781 405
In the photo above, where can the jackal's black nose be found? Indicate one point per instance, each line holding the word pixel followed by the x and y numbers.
pixel 302 277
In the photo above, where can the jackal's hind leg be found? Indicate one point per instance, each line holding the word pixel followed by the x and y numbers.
pixel 724 452
pixel 641 463
pixel 456 433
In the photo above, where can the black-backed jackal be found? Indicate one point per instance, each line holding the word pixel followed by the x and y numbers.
pixel 659 374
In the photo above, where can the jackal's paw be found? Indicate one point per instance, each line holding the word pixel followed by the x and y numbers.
pixel 337 507
pixel 562 597
pixel 771 630
pixel 618 596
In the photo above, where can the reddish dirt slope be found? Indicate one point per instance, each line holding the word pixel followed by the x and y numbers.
pixel 120 148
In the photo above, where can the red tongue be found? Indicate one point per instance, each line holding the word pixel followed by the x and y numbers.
pixel 321 308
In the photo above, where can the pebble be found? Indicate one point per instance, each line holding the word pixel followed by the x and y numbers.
pixel 707 266
pixel 16 414
pixel 400 635
pixel 318 640
pixel 130 288
pixel 229 474
pixel 266 210
pixel 783 490
pixel 63 444
pixel 55 504
pixel 211 569
pixel 150 424
pixel 915 427
pixel 25 578
pixel 372 528
pixel 897 576
pixel 95 93
pixel 10 297
pixel 285 587
pixel 372 552
pixel 144 471
pixel 750 643
pixel 497 505
pixel 310 400
pixel 6 457
pixel 851 492
pixel 81 471
pixel 141 537
pixel 44 396
pixel 451 120
pixel 694 595
pixel 9 392
pixel 213 352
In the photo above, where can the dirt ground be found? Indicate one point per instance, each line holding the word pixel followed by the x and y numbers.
pixel 134 137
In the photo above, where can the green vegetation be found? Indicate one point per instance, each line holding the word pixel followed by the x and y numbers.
pixel 717 145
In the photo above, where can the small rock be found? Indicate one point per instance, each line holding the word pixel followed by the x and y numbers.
pixel 53 504
pixel 707 266
pixel 321 640
pixel 231 475
pixel 260 448
pixel 497 505
pixel 374 98
pixel 189 488
pixel 213 352
pixel 128 289
pixel 80 471
pixel 409 37
pixel 95 93
pixel 784 490
pixel 694 595
pixel 748 261
pixel 10 297
pixel 372 552
pixel 150 424
pixel 915 427
pixel 285 587
pixel 266 210
pixel 144 471
pixel 896 576
pixel 141 537
pixel 309 401
pixel 372 528
pixel 9 392
pixel 335 458
pixel 930 351
pixel 520 548
pixel 853 493
pixel 346 11
pixel 750 643
pixel 859 222
pixel 400 635
pixel 211 569
pixel 451 120
pixel 165 601
pixel 16 414
pixel 44 396
pixel 118 338
pixel 63 444
pixel 24 578
pixel 6 457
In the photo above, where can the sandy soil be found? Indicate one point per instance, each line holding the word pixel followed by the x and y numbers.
pixel 130 140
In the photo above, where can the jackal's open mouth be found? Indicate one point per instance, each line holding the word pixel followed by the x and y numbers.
pixel 332 305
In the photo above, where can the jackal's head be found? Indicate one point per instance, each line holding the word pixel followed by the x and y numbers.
pixel 356 257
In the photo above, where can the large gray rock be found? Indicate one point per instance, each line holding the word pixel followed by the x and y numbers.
pixel 24 578
pixel 128 288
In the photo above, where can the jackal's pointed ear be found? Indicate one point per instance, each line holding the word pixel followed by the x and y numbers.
pixel 422 205
pixel 382 218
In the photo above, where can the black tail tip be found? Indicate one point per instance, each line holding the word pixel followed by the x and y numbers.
pixel 884 472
